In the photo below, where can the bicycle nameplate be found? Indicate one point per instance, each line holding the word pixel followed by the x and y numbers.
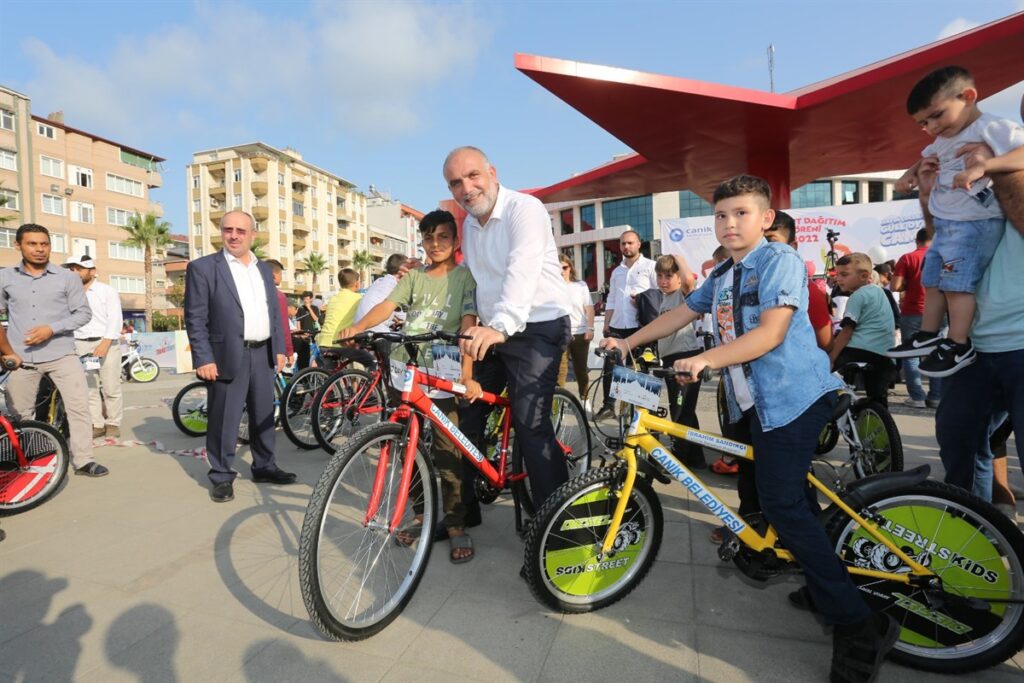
pixel 636 388
pixel 397 374
pixel 447 361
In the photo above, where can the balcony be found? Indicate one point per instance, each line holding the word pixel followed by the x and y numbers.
pixel 217 214
pixel 298 227
pixel 259 188
pixel 154 179
pixel 259 164
pixel 216 239
pixel 260 211
pixel 216 169
pixel 218 189
pixel 298 242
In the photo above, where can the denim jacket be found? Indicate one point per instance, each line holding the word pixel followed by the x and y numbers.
pixel 785 381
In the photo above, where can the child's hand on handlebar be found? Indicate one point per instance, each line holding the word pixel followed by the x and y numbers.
pixel 473 389
pixel 693 365
pixel 612 344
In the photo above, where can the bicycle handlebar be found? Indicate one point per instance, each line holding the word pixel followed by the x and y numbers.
pixel 402 338
pixel 9 364
pixel 615 355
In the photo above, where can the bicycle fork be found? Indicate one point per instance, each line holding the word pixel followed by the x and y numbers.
pixel 410 439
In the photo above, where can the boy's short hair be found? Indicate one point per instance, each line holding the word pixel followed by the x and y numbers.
pixel 666 265
pixel 347 277
pixel 307 293
pixel 884 269
pixel 719 254
pixel 394 262
pixel 862 262
pixel 922 236
pixel 30 227
pixel 947 81
pixel 743 184
pixel 784 225
pixel 275 265
pixel 430 222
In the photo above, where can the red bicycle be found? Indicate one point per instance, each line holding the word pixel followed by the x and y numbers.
pixel 356 574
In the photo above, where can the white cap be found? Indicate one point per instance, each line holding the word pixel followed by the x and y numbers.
pixel 80 261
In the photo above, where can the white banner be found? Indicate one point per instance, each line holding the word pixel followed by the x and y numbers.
pixel 882 230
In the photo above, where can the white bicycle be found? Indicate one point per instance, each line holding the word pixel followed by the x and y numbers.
pixel 136 367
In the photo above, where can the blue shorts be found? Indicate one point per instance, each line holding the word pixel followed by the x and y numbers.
pixel 960 253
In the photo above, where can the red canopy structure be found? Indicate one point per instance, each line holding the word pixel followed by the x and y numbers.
pixel 692 134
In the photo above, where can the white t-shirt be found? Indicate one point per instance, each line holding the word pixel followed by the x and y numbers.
pixel 723 312
pixel 579 299
pixel 1002 135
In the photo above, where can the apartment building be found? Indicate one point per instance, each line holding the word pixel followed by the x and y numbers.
pixel 82 188
pixel 300 210
pixel 393 227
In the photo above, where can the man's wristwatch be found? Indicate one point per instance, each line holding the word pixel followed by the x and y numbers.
pixel 498 327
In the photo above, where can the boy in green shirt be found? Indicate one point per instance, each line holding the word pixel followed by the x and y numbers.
pixel 441 297
pixel 341 309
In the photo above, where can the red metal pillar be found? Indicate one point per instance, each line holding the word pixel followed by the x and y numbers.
pixel 775 169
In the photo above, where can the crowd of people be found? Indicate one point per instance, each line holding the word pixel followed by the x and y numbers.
pixel 526 318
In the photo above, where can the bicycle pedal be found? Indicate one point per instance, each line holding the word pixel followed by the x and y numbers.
pixel 729 547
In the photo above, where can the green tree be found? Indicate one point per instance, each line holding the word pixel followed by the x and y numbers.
pixel 314 264
pixel 258 249
pixel 176 294
pixel 362 260
pixel 151 234
pixel 3 203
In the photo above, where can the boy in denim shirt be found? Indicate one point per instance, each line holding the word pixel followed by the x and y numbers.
pixel 777 377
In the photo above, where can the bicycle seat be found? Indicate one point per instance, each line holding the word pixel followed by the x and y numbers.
pixel 866 488
pixel 845 401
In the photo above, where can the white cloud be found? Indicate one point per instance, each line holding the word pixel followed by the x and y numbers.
pixel 958 25
pixel 361 66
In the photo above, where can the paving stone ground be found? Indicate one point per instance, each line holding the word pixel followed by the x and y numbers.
pixel 139 577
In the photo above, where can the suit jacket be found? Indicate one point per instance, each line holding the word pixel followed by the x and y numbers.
pixel 213 315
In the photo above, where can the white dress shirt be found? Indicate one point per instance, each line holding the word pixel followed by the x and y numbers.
pixel 105 304
pixel 626 282
pixel 376 293
pixel 515 264
pixel 252 294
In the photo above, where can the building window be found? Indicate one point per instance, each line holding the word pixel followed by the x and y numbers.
pixel 197 205
pixel 46 131
pixel 116 183
pixel 195 182
pixel 8 160
pixel 237 201
pixel 313 213
pixel 238 175
pixel 876 191
pixel 7 120
pixel 636 212
pixel 51 167
pixel 58 243
pixel 9 199
pixel 280 178
pixel 298 209
pixel 818 193
pixel 851 192
pixel 199 251
pixel 692 205
pixel 81 176
pixel 82 212
pixel 565 218
pixel 197 228
pixel 128 285
pixel 53 205
pixel 281 204
pixel 7 238
pixel 588 218
pixel 612 257
pixel 589 264
pixel 118 216
pixel 125 252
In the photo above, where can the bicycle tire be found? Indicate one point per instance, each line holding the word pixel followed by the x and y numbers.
pixel 879 437
pixel 335 418
pixel 562 565
pixel 189 409
pixel 143 370
pixel 341 559
pixel 573 433
pixel 297 407
pixel 957 536
pixel 46 452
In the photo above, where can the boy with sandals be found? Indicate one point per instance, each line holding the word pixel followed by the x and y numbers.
pixel 441 298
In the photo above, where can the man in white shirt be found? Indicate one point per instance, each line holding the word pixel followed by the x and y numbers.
pixel 523 305
pixel 631 277
pixel 99 338
pixel 380 289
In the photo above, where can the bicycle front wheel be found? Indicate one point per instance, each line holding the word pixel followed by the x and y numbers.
pixel 357 576
pixel 189 409
pixel 978 554
pixel 144 370
pixel 563 563
pixel 297 407
pixel 345 404
pixel 45 467
pixel 881 446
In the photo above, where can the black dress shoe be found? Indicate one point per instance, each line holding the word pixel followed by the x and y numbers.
pixel 93 469
pixel 222 492
pixel 275 476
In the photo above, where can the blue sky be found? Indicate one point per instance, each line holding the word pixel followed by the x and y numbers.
pixel 378 92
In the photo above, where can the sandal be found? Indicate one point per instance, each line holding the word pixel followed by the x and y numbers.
pixel 409 534
pixel 717 535
pixel 720 466
pixel 463 542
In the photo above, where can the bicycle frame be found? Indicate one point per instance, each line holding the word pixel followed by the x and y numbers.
pixel 639 436
pixel 15 442
pixel 415 401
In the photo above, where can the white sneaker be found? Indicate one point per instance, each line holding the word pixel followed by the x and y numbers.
pixel 914 403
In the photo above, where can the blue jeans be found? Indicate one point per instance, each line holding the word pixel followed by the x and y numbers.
pixel 909 325
pixel 783 456
pixel 969 399
pixel 983 460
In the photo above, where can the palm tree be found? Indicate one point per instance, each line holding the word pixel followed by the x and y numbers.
pixel 259 249
pixel 151 234
pixel 362 260
pixel 315 264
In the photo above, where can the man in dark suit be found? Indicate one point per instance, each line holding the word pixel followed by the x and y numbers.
pixel 234 327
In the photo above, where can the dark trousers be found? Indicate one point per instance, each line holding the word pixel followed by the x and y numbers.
pixel 783 457
pixel 606 374
pixel 682 406
pixel 302 351
pixel 969 398
pixel 252 388
pixel 746 486
pixel 876 375
pixel 528 364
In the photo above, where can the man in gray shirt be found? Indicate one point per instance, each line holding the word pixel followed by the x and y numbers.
pixel 45 304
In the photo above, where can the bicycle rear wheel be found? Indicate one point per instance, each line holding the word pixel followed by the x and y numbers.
pixel 46 454
pixel 356 576
pixel 563 565
pixel 976 551
pixel 297 407
pixel 344 405
pixel 573 433
pixel 189 409
pixel 144 370
pixel 881 445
